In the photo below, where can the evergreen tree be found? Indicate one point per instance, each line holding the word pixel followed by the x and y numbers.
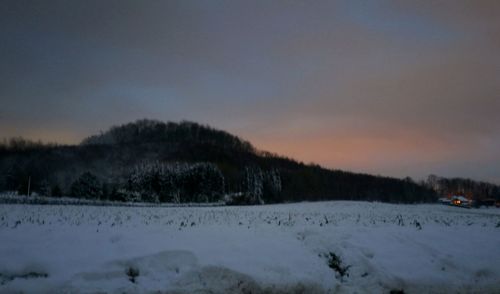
pixel 44 188
pixel 55 191
pixel 86 186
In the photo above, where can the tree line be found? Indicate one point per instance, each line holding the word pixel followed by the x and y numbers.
pixel 149 160
pixel 475 190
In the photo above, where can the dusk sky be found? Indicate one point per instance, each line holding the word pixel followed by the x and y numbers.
pixel 398 88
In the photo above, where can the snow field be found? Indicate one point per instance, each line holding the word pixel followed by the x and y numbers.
pixel 251 249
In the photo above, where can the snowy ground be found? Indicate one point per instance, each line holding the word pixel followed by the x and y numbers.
pixel 260 249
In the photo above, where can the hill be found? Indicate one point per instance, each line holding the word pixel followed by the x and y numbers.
pixel 150 160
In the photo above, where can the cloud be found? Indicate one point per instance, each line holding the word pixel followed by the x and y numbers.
pixel 388 87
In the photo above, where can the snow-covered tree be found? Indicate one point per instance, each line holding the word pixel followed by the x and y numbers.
pixel 86 186
pixel 254 182
pixel 177 182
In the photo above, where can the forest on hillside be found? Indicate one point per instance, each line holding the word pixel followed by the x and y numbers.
pixel 153 161
pixel 475 190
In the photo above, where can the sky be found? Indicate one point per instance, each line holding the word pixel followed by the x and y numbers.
pixel 396 88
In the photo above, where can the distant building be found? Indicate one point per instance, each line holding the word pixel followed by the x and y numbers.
pixel 460 201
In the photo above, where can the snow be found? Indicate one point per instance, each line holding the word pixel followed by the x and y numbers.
pixel 257 249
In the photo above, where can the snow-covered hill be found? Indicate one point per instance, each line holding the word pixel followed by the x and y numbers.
pixel 323 247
